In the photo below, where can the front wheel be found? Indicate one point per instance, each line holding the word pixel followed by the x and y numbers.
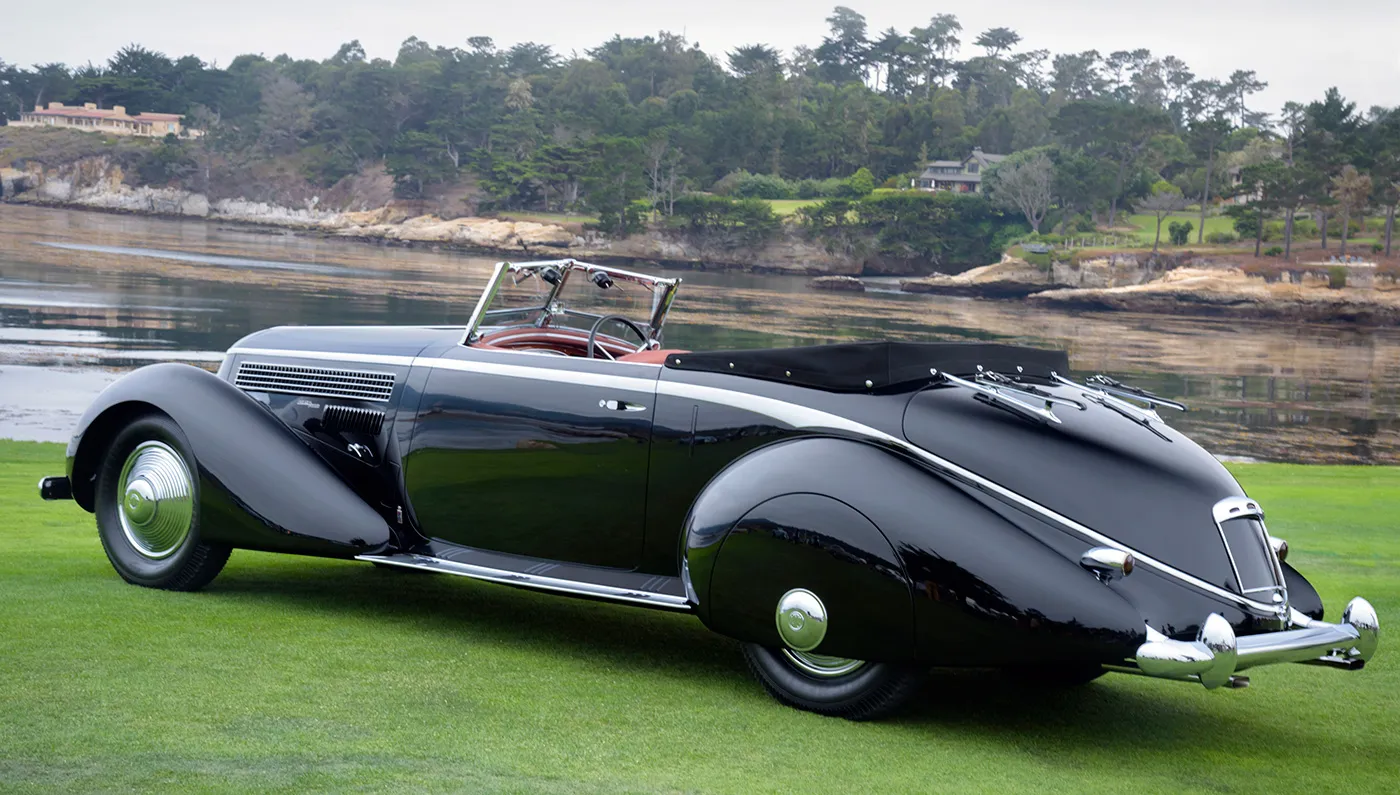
pixel 834 686
pixel 147 506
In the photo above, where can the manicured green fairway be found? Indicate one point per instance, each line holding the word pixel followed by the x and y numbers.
pixel 1147 225
pixel 295 675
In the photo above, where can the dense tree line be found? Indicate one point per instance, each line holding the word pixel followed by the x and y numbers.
pixel 653 119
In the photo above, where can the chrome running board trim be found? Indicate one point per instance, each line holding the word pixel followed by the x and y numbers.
pixel 534 581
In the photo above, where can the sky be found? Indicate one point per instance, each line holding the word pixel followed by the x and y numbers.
pixel 1301 47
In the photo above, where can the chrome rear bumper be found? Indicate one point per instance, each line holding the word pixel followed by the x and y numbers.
pixel 1216 655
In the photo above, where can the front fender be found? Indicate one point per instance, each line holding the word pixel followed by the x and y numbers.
pixel 260 486
pixel 973 587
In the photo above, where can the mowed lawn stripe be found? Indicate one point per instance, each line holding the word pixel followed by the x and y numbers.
pixel 294 675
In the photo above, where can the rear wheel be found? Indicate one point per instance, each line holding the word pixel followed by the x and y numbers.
pixel 835 686
pixel 147 506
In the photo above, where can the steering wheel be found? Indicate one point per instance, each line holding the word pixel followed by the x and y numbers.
pixel 593 334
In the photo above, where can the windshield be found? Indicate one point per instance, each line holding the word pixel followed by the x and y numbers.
pixel 574 295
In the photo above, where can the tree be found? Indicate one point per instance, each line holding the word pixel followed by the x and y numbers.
pixel 755 59
pixel 1164 200
pixel 997 41
pixel 933 45
pixel 1328 141
pixel 1023 182
pixel 1237 91
pixel 1111 129
pixel 843 54
pixel 1080 180
pixel 1352 190
pixel 1383 140
pixel 1259 182
pixel 417 160
pixel 1207 134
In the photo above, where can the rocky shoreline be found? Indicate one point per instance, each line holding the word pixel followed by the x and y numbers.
pixel 99 184
pixel 1204 287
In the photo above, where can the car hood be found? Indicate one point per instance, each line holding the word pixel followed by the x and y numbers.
pixel 1152 491
pixel 401 341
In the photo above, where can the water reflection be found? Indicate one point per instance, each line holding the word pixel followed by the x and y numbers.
pixel 106 293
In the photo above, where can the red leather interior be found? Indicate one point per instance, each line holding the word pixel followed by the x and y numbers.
pixel 649 357
pixel 568 341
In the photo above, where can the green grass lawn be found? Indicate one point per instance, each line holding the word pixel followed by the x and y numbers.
pixel 1147 225
pixel 292 675
pixel 785 207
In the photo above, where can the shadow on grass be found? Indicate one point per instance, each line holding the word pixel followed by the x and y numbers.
pixel 1103 715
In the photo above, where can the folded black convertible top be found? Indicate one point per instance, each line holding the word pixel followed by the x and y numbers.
pixel 848 367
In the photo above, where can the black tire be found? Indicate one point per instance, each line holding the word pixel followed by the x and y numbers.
pixel 874 690
pixel 1057 676
pixel 191 563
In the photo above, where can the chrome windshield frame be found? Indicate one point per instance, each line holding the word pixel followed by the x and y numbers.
pixel 663 292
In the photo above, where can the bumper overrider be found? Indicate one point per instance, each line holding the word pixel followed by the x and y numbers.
pixel 1215 657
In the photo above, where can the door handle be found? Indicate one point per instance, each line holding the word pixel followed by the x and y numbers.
pixel 620 405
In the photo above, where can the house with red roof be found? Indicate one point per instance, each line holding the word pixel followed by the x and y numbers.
pixel 114 121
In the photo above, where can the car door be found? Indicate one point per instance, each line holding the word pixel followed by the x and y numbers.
pixel 533 454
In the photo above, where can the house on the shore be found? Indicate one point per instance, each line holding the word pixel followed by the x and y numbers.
pixel 959 176
pixel 114 121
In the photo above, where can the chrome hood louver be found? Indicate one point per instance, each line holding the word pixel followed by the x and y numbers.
pixel 324 382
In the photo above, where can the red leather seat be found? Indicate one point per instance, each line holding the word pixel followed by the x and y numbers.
pixel 650 357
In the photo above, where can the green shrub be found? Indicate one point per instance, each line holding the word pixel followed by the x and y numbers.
pixel 1377 248
pixel 859 185
pixel 1041 261
pixel 944 228
pixel 1337 277
pixel 1221 238
pixel 819 188
pixel 737 222
pixel 1305 228
pixel 743 185
pixel 1180 232
pixel 1273 251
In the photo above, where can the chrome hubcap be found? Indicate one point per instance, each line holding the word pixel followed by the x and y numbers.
pixel 157 500
pixel 820 665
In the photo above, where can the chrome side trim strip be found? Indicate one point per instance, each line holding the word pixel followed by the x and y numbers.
pixel 332 356
pixel 806 418
pixel 795 416
pixel 534 581
pixel 537 373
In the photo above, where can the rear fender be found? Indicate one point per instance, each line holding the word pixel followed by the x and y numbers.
pixel 921 569
pixel 260 486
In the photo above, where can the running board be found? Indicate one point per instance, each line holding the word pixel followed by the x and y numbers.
pixel 537 582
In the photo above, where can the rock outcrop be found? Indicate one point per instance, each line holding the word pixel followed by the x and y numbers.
pixel 844 284
pixel 1011 278
pixel 1229 292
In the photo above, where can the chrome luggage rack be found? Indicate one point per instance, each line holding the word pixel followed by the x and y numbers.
pixel 1028 401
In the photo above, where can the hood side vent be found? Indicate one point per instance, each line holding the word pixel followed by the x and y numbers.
pixel 291 379
pixel 353 420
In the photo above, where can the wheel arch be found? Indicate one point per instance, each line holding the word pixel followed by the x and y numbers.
pixel 983 590
pixel 261 487
pixel 85 454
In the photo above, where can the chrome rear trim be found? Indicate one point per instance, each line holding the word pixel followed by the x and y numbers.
pixel 534 581
pixel 1217 655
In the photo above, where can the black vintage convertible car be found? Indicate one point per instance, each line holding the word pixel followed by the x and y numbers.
pixel 852 514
